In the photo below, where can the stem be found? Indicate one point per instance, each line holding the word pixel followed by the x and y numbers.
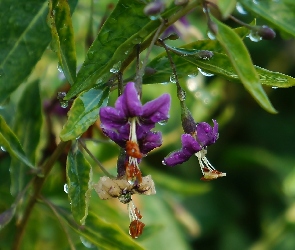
pixel 51 206
pixel 180 92
pixel 140 73
pixel 95 159
pixel 172 19
pixel 37 183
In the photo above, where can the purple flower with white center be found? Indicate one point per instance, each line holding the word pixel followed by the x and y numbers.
pixel 197 143
pixel 129 125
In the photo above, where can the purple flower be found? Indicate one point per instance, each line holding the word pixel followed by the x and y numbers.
pixel 129 125
pixel 130 115
pixel 196 144
pixel 205 135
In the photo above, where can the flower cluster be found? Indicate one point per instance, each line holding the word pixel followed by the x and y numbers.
pixel 196 143
pixel 129 124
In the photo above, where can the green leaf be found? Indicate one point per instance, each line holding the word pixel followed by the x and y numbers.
pixel 84 112
pixel 10 143
pixel 126 26
pixel 63 37
pixel 226 7
pixel 242 63
pixel 24 36
pixel 27 127
pixel 219 65
pixel 280 14
pixel 105 235
pixel 79 176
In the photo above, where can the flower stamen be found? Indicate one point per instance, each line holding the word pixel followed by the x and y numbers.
pixel 208 171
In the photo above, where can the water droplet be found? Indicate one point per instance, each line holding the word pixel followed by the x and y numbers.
pixel 163 123
pixel 173 78
pixel 90 55
pixel 136 40
pixel 204 73
pixel 86 243
pixel 254 37
pixel 164 163
pixel 116 67
pixel 66 188
pixel 274 87
pixel 59 68
pixel 193 75
pixel 241 9
pixel 126 52
pixel 2 148
pixel 164 83
pixel 211 35
pixel 60 95
pixel 153 18
pixel 181 95
pixel 64 104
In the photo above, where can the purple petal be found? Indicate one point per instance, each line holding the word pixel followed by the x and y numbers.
pixel 189 147
pixel 112 118
pixel 207 135
pixel 156 110
pixel 150 141
pixel 176 157
pixel 129 102
pixel 190 144
pixel 120 136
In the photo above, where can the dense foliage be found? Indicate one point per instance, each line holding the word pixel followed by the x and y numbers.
pixel 81 152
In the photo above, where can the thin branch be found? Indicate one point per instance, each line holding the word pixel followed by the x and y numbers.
pixel 37 184
pixel 95 159
pixel 52 207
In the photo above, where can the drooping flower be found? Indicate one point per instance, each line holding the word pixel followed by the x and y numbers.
pixel 196 144
pixel 129 125
pixel 108 188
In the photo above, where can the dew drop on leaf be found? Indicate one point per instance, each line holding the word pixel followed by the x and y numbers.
pixel 241 9
pixel 116 67
pixel 254 37
pixel 204 73
pixel 2 148
pixel 164 122
pixel 86 243
pixel 173 78
pixel 66 188
pixel 211 35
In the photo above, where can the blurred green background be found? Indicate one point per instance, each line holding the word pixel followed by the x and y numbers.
pixel 253 207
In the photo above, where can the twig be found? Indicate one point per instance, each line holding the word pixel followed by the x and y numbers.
pixel 37 183
pixel 52 207
pixel 95 159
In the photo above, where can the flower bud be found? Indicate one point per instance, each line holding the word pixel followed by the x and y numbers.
pixel 266 32
pixel 187 121
pixel 154 8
